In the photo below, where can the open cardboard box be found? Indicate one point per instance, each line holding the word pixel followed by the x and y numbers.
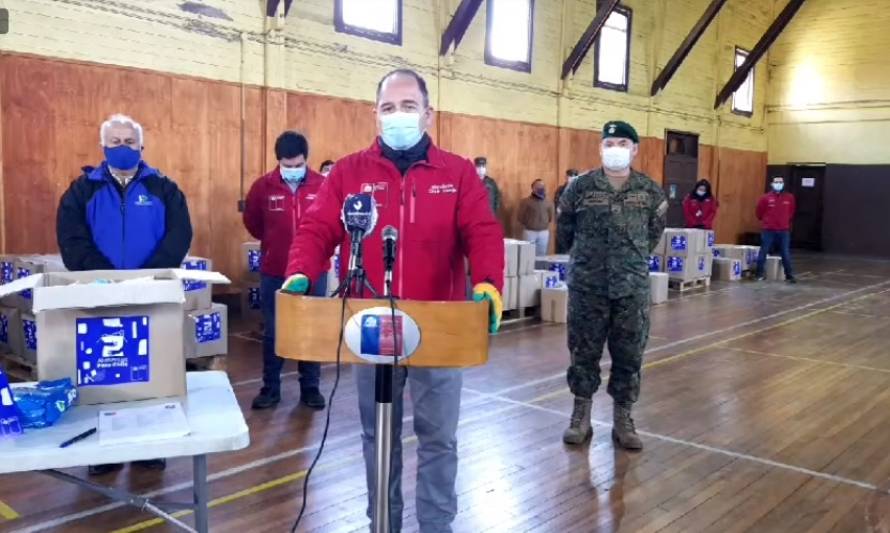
pixel 117 334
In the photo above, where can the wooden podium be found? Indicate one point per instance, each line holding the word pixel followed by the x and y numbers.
pixel 453 334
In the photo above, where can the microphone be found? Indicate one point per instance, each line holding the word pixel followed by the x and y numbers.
pixel 390 238
pixel 359 215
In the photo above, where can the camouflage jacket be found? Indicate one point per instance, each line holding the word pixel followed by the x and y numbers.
pixel 610 233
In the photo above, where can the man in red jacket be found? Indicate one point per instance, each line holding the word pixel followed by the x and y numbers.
pixel 775 210
pixel 441 210
pixel 275 204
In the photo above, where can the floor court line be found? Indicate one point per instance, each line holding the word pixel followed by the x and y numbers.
pixel 810 360
pixel 7 512
pixel 284 455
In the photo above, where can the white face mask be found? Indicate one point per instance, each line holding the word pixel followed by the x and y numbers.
pixel 778 187
pixel 616 158
pixel 481 171
pixel 401 130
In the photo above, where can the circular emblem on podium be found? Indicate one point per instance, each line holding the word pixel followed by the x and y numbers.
pixel 373 336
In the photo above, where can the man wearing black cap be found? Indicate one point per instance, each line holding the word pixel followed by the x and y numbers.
pixel 611 219
pixel 494 194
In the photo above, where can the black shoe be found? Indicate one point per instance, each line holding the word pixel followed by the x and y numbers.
pixel 266 399
pixel 152 464
pixel 792 281
pixel 101 470
pixel 311 397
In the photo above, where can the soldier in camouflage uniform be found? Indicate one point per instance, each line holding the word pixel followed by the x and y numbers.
pixel 494 193
pixel 611 219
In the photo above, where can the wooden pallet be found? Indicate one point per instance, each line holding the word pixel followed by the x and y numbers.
pixel 523 313
pixel 684 286
pixel 17 368
pixel 210 362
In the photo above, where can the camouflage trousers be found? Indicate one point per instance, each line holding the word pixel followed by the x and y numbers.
pixel 624 323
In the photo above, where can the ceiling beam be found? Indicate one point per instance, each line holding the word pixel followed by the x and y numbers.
pixel 760 49
pixel 272 7
pixel 688 44
pixel 586 41
pixel 459 23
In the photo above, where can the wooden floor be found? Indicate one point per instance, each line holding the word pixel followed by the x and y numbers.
pixel 765 407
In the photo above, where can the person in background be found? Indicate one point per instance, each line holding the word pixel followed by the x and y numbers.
pixel 455 221
pixel 611 219
pixel 276 204
pixel 535 214
pixel 123 215
pixel 326 167
pixel 494 194
pixel 775 210
pixel 571 175
pixel 700 206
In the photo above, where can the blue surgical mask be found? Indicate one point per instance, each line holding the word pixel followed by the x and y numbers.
pixel 778 187
pixel 293 175
pixel 400 130
pixel 122 157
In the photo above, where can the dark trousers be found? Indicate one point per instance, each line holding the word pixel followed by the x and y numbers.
pixel 310 373
pixel 782 239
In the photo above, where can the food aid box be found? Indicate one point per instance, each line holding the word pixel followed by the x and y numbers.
pixel 555 305
pixel 656 263
pixel 682 242
pixel 198 294
pixel 555 263
pixel 205 332
pixel 28 266
pixel 661 247
pixel 117 334
pixel 7 275
pixel 250 260
pixel 511 293
pixel 704 265
pixel 683 268
pixel 548 278
pixel 748 255
pixel 511 258
pixel 527 256
pixel 658 287
pixel 529 290
pixel 11 331
pixel 727 269
pixel 773 269
pixel 710 238
pixel 251 307
pixel 723 250
pixel 29 338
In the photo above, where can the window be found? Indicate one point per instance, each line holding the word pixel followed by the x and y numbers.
pixel 611 65
pixel 743 98
pixel 380 20
pixel 508 40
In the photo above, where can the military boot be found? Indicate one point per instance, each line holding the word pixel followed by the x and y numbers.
pixel 579 430
pixel 623 430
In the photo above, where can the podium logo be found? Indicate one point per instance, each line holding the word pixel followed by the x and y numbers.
pixel 375 336
pixel 4 21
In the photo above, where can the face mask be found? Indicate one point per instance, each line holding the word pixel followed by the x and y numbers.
pixel 400 131
pixel 701 192
pixel 122 157
pixel 778 187
pixel 480 171
pixel 293 175
pixel 540 193
pixel 616 158
pixel 573 177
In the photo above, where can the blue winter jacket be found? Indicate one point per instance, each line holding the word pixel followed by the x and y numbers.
pixel 101 226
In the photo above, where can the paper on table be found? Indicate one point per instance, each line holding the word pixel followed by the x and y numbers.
pixel 142 424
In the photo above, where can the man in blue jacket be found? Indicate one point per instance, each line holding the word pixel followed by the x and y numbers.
pixel 123 215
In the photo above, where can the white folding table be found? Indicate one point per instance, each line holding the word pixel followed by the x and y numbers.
pixel 216 423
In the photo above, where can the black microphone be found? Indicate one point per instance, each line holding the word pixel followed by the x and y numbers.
pixel 359 216
pixel 390 238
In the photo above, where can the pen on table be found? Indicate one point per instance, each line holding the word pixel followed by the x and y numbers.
pixel 78 438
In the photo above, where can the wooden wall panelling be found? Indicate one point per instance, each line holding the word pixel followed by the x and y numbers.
pixel 741 185
pixel 650 159
pixel 578 149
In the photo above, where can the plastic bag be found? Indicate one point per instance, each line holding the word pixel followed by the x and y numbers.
pixel 42 405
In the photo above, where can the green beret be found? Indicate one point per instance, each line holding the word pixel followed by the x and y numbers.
pixel 620 130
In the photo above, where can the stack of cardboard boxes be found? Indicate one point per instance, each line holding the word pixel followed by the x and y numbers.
pixel 206 324
pixel 684 254
pixel 554 291
pixel 732 261
pixel 250 291
pixel 522 285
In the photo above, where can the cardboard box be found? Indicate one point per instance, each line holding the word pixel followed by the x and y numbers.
pixel 116 334
pixel 529 290
pixel 29 338
pixel 527 258
pixel 198 294
pixel 683 242
pixel 656 263
pixel 684 268
pixel 511 293
pixel 511 258
pixel 748 256
pixel 658 287
pixel 11 340
pixel 555 305
pixel 206 332
pixel 773 268
pixel 251 258
pixel 8 275
pixel 30 265
pixel 727 269
pixel 661 247
pixel 723 250
pixel 704 264
pixel 549 279
pixel 251 308
pixel 710 239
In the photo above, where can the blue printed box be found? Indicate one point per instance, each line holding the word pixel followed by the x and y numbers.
pixel 205 332
pixel 198 294
pixel 112 350
pixel 656 263
pixel 251 260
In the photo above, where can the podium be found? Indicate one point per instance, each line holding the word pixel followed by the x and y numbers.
pixel 452 334
pixel 428 334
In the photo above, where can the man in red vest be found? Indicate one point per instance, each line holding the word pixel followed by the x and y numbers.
pixel 775 210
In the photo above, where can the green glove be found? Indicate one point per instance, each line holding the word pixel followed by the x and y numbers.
pixel 296 284
pixel 487 292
